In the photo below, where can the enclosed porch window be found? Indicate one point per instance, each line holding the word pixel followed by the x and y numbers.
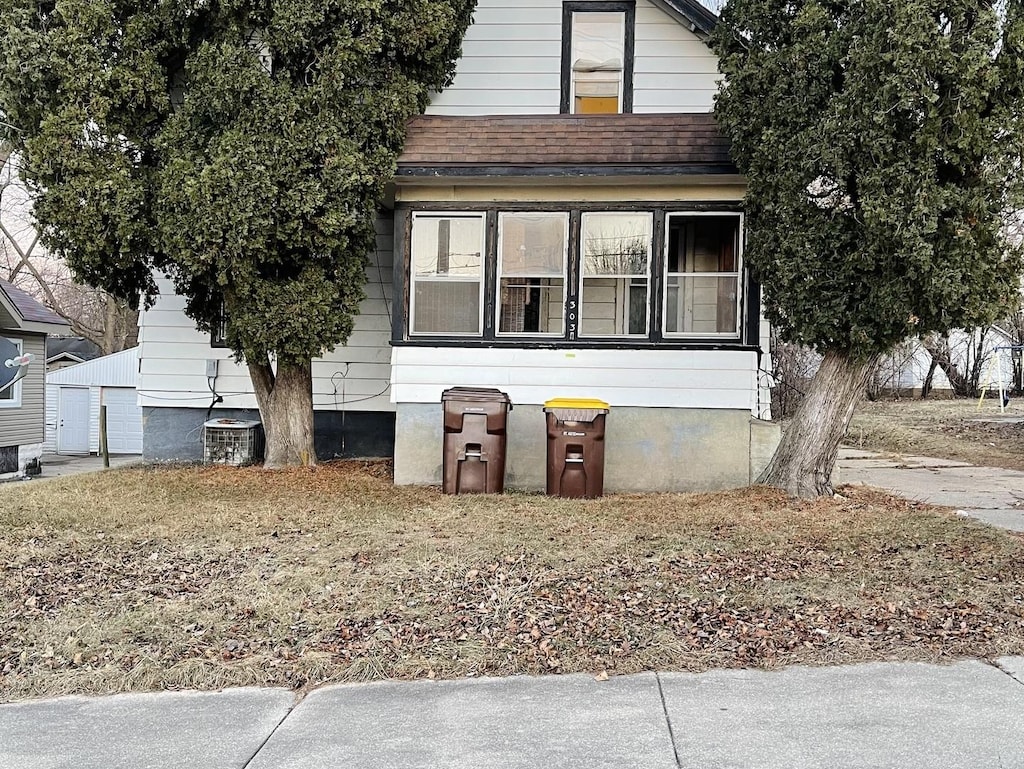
pixel 532 264
pixel 702 275
pixel 616 259
pixel 588 274
pixel 447 274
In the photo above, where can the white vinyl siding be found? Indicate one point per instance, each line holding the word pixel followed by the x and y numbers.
pixel 698 379
pixel 673 69
pixel 512 63
pixel 353 377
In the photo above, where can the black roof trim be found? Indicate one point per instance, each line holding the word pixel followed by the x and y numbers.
pixel 701 19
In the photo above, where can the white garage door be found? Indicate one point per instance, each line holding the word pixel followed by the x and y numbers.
pixel 124 420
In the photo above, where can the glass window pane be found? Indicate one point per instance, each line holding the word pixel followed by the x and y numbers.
pixel 598 57
pixel 11 393
pixel 702 278
pixel 446 307
pixel 639 303
pixel 533 245
pixel 447 274
pixel 701 305
pixel 449 246
pixel 616 256
pixel 531 306
pixel 598 41
pixel 614 307
pixel 702 243
pixel 533 251
pixel 616 244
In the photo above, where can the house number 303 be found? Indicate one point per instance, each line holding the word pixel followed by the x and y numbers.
pixel 571 315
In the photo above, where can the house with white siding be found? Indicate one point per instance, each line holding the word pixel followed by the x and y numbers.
pixel 24 324
pixel 565 222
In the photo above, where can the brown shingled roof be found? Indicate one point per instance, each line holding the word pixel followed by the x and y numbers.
pixel 29 308
pixel 679 143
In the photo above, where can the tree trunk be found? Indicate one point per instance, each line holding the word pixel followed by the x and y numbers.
pixel 926 386
pixel 975 366
pixel 943 358
pixel 802 464
pixel 109 325
pixel 285 398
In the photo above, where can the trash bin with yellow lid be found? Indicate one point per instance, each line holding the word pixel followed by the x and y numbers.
pixel 576 446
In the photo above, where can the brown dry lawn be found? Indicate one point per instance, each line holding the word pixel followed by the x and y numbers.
pixel 149 579
pixel 948 429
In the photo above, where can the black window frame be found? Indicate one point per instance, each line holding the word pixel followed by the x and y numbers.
pixel 571 7
pixel 748 323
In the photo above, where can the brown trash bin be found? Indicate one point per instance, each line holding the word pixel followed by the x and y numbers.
pixel 475 424
pixel 576 446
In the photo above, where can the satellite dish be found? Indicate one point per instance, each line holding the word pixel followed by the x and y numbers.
pixel 13 364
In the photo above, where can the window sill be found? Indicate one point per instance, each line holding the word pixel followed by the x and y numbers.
pixel 579 344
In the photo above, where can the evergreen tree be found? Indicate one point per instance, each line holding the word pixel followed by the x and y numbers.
pixel 240 147
pixel 881 142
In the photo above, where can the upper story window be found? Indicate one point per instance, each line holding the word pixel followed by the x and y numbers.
pixel 597 57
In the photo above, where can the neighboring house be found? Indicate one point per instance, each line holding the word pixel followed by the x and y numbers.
pixel 905 370
pixel 64 351
pixel 566 222
pixel 25 322
pixel 74 396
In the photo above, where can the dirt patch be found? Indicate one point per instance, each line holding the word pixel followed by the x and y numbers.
pixel 204 578
pixel 947 429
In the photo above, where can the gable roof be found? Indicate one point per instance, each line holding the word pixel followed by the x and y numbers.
pixel 565 145
pixel 120 369
pixel 27 313
pixel 75 348
pixel 698 17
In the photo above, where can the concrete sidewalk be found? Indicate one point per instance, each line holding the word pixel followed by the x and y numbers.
pixel 990 494
pixel 968 715
pixel 63 465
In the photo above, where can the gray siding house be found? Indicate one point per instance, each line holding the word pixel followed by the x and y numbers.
pixel 25 322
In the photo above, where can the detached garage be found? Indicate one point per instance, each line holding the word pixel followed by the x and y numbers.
pixel 73 399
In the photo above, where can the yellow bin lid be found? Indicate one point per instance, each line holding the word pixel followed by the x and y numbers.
pixel 576 403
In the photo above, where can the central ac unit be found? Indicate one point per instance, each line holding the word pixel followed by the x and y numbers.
pixel 232 442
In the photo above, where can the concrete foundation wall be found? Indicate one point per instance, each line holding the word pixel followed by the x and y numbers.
pixel 176 434
pixel 764 439
pixel 26 452
pixel 647 449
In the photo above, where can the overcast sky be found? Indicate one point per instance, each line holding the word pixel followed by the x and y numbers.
pixel 714 5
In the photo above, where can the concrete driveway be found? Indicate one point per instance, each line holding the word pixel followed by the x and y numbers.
pixel 990 494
